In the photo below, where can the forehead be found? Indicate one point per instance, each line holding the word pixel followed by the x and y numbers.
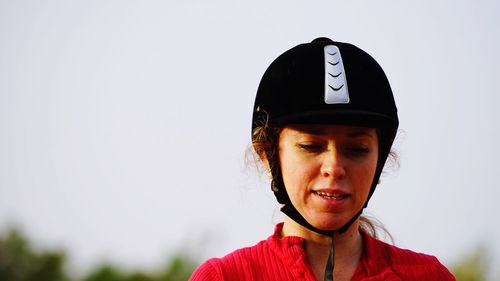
pixel 330 130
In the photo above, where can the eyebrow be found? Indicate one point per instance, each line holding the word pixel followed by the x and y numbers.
pixel 319 131
pixel 308 130
pixel 360 133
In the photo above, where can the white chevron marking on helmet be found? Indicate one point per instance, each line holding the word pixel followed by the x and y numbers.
pixel 335 77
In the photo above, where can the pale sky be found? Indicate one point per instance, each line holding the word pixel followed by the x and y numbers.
pixel 124 124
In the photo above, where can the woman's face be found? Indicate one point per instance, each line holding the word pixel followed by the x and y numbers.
pixel 328 170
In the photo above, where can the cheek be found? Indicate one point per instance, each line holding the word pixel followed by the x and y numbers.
pixel 296 172
pixel 289 169
pixel 364 176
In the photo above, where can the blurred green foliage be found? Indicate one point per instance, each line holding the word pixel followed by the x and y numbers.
pixel 20 261
pixel 472 267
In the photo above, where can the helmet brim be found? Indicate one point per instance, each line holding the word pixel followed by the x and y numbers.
pixel 338 117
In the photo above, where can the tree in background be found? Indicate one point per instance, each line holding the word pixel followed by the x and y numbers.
pixel 473 266
pixel 20 261
pixel 179 269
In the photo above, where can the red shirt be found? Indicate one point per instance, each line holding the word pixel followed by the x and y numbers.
pixel 284 258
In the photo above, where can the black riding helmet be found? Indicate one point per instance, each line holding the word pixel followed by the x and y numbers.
pixel 325 82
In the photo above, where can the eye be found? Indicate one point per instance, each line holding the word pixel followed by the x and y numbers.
pixel 311 147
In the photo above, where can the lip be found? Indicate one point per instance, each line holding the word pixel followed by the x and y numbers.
pixel 332 199
pixel 331 191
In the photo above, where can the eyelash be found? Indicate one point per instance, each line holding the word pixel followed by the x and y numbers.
pixel 310 147
pixel 350 150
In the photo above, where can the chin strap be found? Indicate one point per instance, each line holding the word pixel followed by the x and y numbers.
pixel 330 264
pixel 291 212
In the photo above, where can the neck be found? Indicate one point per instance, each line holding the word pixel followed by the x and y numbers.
pixel 348 248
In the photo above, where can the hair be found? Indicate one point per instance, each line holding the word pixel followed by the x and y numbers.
pixel 265 148
pixel 265 142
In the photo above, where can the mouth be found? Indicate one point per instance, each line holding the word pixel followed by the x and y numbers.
pixel 331 195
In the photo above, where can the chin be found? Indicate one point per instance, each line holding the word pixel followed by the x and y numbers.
pixel 328 220
pixel 328 223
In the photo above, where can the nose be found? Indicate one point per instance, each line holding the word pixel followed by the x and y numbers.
pixel 332 165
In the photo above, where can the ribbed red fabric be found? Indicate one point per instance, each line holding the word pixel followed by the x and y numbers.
pixel 283 258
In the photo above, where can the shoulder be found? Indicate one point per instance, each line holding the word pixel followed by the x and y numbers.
pixel 237 265
pixel 209 270
pixel 423 266
pixel 258 262
pixel 408 264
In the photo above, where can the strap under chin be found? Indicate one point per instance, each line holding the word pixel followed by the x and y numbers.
pixel 291 212
pixel 330 264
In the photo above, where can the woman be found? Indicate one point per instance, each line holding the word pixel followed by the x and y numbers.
pixel 323 125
